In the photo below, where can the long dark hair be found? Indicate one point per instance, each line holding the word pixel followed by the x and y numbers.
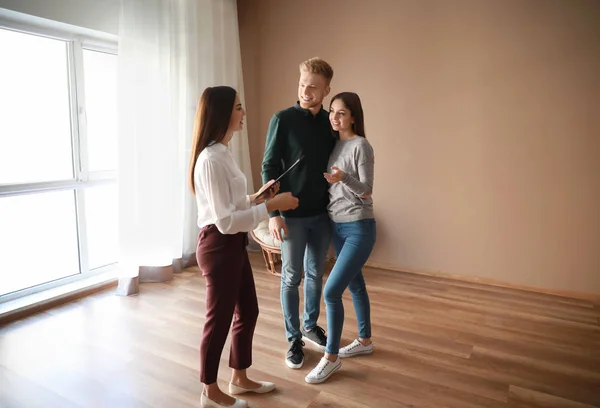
pixel 352 102
pixel 211 122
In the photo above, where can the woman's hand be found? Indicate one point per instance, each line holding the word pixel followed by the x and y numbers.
pixel 273 188
pixel 335 176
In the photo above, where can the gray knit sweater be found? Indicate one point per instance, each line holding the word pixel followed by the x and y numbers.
pixel 356 159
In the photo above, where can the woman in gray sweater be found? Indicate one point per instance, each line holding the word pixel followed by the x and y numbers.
pixel 353 232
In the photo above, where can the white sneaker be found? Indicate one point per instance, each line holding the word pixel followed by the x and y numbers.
pixel 355 348
pixel 323 371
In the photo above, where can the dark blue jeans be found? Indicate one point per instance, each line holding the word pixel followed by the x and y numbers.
pixel 353 243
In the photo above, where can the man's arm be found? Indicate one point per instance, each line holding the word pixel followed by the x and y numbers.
pixel 271 166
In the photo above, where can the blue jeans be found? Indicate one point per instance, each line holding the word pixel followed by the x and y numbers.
pixel 305 246
pixel 353 243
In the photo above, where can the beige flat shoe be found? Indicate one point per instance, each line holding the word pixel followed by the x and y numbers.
pixel 206 402
pixel 263 389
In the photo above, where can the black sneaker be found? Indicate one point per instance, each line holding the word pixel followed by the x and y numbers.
pixel 316 336
pixel 295 355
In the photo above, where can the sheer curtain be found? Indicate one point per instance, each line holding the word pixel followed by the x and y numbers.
pixel 169 51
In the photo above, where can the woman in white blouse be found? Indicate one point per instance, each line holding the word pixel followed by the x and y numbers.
pixel 225 215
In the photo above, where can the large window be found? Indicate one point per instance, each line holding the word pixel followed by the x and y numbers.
pixel 58 157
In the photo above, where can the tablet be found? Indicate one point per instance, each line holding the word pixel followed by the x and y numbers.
pixel 283 174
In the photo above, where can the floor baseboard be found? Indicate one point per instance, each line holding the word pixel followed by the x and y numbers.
pixel 487 281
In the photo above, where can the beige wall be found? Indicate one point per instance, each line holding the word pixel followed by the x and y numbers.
pixel 484 116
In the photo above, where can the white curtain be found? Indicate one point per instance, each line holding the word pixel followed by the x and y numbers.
pixel 169 52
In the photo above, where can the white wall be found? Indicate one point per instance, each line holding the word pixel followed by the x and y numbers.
pixel 101 15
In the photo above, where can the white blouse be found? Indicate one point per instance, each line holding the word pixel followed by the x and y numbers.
pixel 221 193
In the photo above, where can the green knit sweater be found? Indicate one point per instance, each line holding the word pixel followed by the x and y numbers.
pixel 293 132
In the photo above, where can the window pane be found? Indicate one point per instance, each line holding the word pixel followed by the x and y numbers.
pixel 101 223
pixel 38 239
pixel 100 73
pixel 35 124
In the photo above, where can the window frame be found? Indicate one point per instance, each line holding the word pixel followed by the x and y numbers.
pixel 77 39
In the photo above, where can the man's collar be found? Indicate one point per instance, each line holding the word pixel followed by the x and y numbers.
pixel 306 111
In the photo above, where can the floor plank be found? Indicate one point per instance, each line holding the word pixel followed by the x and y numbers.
pixel 18 391
pixel 524 398
pixel 325 400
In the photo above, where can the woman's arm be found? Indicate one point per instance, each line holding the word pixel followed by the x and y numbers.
pixel 230 220
pixel 364 185
pixel 364 160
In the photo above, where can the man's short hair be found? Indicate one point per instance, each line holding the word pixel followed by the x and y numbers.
pixel 316 65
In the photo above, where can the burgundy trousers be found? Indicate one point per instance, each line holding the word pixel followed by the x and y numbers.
pixel 230 294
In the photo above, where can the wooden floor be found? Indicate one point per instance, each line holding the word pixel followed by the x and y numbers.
pixel 439 343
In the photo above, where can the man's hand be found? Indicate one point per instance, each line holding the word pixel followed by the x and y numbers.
pixel 276 224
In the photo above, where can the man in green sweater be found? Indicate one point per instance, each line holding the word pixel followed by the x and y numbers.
pixel 302 130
